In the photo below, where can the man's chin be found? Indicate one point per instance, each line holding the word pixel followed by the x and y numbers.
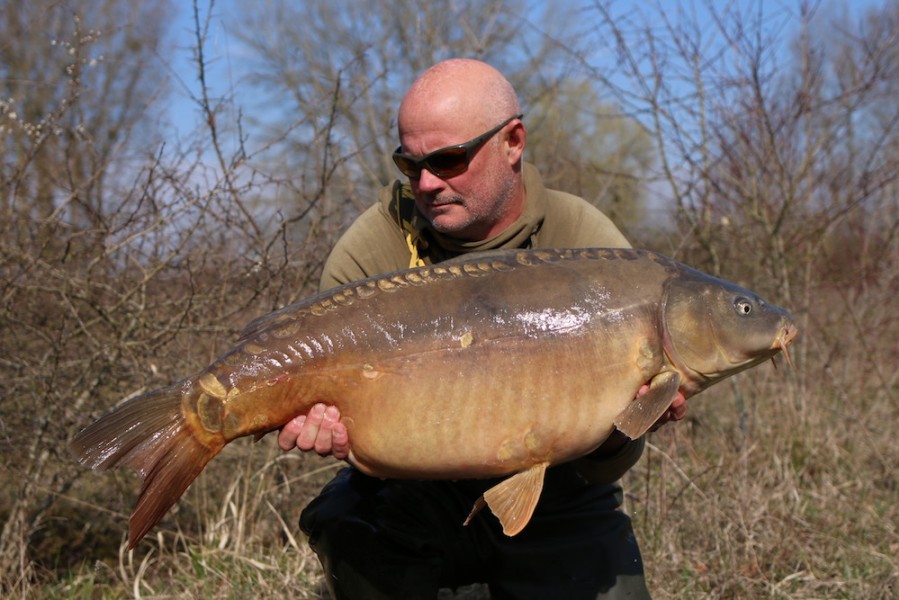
pixel 448 219
pixel 441 226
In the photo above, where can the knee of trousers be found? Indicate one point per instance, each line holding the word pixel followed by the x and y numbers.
pixel 357 515
pixel 362 553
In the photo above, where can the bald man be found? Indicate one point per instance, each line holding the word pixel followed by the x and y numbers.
pixel 461 144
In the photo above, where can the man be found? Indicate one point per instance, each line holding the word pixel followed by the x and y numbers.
pixel 404 539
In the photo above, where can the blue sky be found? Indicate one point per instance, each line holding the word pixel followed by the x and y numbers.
pixel 223 47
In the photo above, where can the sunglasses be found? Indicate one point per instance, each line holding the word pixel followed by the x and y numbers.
pixel 445 162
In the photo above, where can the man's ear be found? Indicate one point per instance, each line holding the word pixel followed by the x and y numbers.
pixel 515 142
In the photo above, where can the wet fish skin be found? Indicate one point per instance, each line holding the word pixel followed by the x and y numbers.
pixel 500 364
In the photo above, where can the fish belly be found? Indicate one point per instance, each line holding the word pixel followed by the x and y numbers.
pixel 490 408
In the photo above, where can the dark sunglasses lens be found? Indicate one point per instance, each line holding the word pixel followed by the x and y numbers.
pixel 407 166
pixel 451 161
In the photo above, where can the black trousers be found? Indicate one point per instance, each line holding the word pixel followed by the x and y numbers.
pixel 404 539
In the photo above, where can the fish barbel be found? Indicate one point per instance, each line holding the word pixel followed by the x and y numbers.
pixel 503 363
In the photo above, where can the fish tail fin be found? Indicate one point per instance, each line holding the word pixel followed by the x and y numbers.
pixel 150 434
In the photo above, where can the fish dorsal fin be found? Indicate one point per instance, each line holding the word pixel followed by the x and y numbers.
pixel 513 500
pixel 643 412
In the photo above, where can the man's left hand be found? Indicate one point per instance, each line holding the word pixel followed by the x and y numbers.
pixel 675 412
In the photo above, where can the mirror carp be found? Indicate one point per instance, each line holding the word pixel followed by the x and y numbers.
pixel 499 364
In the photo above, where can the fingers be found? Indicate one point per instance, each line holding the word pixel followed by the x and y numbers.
pixel 287 436
pixel 309 431
pixel 320 430
pixel 675 412
pixel 678 409
pixel 323 444
pixel 340 441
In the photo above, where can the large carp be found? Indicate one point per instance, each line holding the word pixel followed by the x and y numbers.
pixel 500 364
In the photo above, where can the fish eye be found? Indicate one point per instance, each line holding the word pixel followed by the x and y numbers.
pixel 743 306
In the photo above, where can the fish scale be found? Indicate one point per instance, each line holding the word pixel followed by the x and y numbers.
pixel 501 364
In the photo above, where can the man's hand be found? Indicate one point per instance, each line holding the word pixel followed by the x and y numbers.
pixel 320 430
pixel 617 440
pixel 676 412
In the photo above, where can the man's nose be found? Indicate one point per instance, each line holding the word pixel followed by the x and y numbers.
pixel 428 182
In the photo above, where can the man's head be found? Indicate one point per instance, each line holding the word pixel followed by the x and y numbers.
pixel 453 102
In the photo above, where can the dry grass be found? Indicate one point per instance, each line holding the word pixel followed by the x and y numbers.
pixel 233 535
pixel 798 503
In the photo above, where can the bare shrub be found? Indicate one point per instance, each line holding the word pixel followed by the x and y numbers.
pixel 123 268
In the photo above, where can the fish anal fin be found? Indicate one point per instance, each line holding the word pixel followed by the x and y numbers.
pixel 643 412
pixel 513 500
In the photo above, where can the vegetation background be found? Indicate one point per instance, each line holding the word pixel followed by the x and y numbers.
pixel 147 214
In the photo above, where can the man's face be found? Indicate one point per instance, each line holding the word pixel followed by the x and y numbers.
pixel 474 204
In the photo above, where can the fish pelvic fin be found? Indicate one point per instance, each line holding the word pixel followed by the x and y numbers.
pixel 513 500
pixel 643 412
pixel 150 434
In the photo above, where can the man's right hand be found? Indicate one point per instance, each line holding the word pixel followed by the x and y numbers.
pixel 320 430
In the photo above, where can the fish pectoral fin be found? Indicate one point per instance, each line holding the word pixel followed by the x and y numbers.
pixel 643 412
pixel 513 500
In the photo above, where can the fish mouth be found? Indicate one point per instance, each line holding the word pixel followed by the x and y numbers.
pixel 787 334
